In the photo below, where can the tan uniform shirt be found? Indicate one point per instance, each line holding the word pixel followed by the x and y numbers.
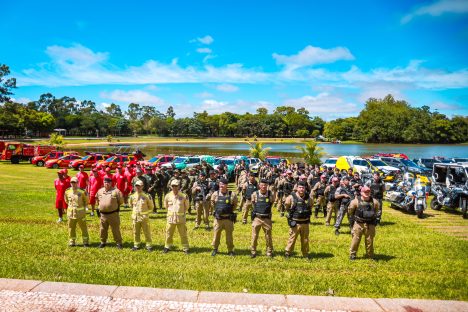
pixel 214 199
pixel 177 206
pixel 141 204
pixel 108 201
pixel 316 187
pixel 77 202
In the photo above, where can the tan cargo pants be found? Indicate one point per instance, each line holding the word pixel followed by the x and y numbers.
pixel 137 227
pixel 226 225
pixel 203 211
pixel 72 230
pixel 301 230
pixel 368 230
pixel 112 220
pixel 266 225
pixel 170 229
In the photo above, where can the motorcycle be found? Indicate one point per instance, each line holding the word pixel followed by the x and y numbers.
pixel 420 199
pixel 452 197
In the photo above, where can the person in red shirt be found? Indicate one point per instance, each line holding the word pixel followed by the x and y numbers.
pixel 66 177
pixel 61 186
pixel 83 178
pixel 129 174
pixel 121 182
pixel 95 183
pixel 109 175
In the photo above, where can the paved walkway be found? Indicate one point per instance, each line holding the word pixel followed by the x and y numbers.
pixel 30 295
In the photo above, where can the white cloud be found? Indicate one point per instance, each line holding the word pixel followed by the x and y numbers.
pixel 78 66
pixel 22 100
pixel 323 103
pixel 204 40
pixel 445 106
pixel 312 56
pixel 204 50
pixel 227 88
pixel 437 8
pixel 204 95
pixel 132 96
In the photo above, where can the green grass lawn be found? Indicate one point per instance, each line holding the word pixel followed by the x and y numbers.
pixel 414 260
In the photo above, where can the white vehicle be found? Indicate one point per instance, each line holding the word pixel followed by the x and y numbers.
pixel 330 162
pixel 383 166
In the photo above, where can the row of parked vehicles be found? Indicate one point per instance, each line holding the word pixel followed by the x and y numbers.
pixel 410 182
pixel 72 160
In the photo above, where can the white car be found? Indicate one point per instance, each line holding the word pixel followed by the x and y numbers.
pixel 379 164
pixel 330 163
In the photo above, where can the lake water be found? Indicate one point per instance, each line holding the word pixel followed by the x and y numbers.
pixel 289 150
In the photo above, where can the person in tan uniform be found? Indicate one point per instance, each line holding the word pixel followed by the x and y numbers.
pixel 332 205
pixel 177 205
pixel 248 189
pixel 142 206
pixel 224 203
pixel 108 200
pixel 77 202
pixel 366 212
pixel 262 201
pixel 317 194
pixel 299 207
pixel 243 177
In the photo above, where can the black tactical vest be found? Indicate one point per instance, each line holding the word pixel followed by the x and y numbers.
pixel 223 205
pixel 251 188
pixel 288 186
pixel 320 190
pixel 300 208
pixel 375 190
pixel 331 195
pixel 204 190
pixel 213 185
pixel 365 211
pixel 263 204
pixel 347 190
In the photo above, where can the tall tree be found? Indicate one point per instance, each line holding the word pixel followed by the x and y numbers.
pixel 6 84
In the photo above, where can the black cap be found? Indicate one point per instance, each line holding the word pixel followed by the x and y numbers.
pixel 252 174
pixel 223 180
pixel 203 174
pixel 301 183
pixel 107 179
pixel 264 181
pixel 212 172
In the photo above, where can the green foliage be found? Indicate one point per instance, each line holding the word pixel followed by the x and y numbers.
pixel 56 140
pixel 257 150
pixel 416 259
pixel 6 84
pixel 311 152
pixel 109 138
pixel 302 133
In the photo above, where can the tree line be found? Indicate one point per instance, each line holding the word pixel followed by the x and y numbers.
pixel 382 121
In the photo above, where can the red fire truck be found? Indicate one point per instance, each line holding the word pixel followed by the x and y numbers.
pixel 16 152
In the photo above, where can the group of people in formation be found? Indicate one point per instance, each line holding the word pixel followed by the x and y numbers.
pixel 298 192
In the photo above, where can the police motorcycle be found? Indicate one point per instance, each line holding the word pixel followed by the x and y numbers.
pixel 450 187
pixel 408 195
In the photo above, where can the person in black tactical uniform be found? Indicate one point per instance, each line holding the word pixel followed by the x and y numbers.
pixel 332 207
pixel 213 186
pixel 158 188
pixel 356 183
pixel 377 187
pixel 365 211
pixel 150 179
pixel 300 209
pixel 286 186
pixel 262 201
pixel 248 189
pixel 344 194
pixel 200 191
pixel 318 196
pixel 224 203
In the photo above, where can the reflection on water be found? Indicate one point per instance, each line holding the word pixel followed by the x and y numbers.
pixel 289 150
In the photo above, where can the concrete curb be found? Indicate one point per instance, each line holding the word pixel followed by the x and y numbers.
pixel 233 299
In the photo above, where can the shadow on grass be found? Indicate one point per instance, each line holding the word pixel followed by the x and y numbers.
pixel 321 255
pixel 387 223
pixel 385 258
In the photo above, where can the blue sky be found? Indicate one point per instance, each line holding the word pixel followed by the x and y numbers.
pixel 326 56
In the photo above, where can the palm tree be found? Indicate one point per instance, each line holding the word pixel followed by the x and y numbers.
pixel 257 150
pixel 311 152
